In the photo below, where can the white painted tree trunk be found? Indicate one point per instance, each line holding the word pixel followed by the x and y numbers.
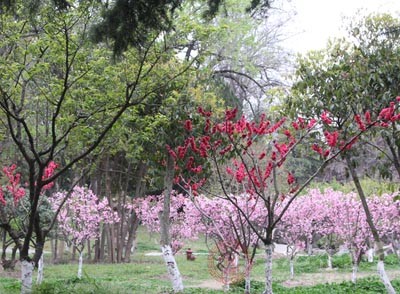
pixel 172 268
pixel 80 264
pixel 247 284
pixel 370 255
pixel 268 269
pixel 26 276
pixel 354 273
pixel 247 278
pixel 329 261
pixel 385 278
pixel 39 278
pixel 291 264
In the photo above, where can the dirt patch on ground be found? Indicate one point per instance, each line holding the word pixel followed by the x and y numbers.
pixel 210 284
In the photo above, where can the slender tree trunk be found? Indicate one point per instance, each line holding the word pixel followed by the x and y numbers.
pixel 39 278
pixel 374 231
pixel 53 244
pixel 4 245
pixel 133 225
pixel 172 267
pixel 247 278
pixel 354 273
pixel 102 244
pixel 268 268
pixel 330 261
pixel 96 257
pixel 291 264
pixel 89 250
pixel 73 254
pixel 80 264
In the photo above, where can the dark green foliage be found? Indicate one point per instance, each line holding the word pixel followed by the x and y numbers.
pixel 130 23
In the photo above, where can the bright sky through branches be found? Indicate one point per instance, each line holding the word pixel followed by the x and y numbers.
pixel 318 20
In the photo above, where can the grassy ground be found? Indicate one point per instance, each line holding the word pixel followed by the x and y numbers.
pixel 147 274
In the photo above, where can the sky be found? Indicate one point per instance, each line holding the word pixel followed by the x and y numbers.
pixel 318 20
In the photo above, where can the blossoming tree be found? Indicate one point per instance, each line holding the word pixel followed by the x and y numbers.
pixel 81 217
pixel 184 219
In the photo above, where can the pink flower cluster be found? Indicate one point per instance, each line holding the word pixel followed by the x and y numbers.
pixel 336 213
pixel 82 214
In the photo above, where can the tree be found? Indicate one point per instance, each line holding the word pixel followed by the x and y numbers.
pixel 81 216
pixel 184 221
pixel 230 233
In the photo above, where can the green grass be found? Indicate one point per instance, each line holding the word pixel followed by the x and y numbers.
pixel 147 274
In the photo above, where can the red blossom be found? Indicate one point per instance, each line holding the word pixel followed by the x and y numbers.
pixel 226 149
pixel 207 126
pixel 367 117
pixel 282 148
pixel 387 113
pixel 311 123
pixel 360 123
pixel 295 126
pixel 317 148
pixel 290 178
pixel 331 138
pixel 240 173
pixel 2 200
pixel 14 183
pixel 181 152
pixel 230 114
pixel 201 111
pixel 287 133
pixel 325 118
pixel 188 125
pixel 171 151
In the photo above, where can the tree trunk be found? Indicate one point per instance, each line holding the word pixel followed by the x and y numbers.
pixel 110 243
pixel 89 250
pixel 247 278
pixel 73 254
pixel 384 277
pixel 102 244
pixel 370 255
pixel 354 273
pixel 172 268
pixel 374 231
pixel 165 239
pixel 53 244
pixel 330 262
pixel 133 222
pixel 291 264
pixel 268 268
pixel 39 278
pixel 80 264
pixel 133 225
pixel 26 276
pixel 4 245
